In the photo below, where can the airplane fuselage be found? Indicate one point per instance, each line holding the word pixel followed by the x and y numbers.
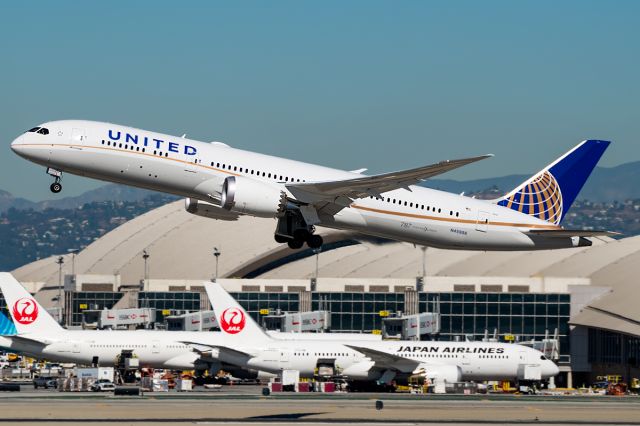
pixel 456 361
pixel 154 348
pixel 197 170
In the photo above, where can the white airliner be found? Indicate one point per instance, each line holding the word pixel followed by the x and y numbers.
pixel 246 345
pixel 36 333
pixel 221 182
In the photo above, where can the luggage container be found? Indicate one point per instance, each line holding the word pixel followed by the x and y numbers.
pixel 303 387
pixel 184 385
pixel 275 386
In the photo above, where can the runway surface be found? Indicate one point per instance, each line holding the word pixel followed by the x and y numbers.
pixel 247 406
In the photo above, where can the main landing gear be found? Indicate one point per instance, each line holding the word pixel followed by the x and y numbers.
pixel 56 186
pixel 293 230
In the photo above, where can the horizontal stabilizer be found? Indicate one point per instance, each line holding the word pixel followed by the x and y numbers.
pixel 564 233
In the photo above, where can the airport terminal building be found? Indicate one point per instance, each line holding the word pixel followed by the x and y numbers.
pixel 583 296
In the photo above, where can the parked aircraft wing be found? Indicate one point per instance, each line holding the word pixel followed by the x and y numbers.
pixel 224 352
pixel 564 233
pixel 28 340
pixel 384 360
pixel 365 186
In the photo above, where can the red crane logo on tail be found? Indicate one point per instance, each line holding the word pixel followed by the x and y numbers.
pixel 25 310
pixel 232 320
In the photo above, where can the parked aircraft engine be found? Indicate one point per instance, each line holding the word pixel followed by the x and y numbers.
pixel 185 361
pixel 208 210
pixel 361 371
pixel 240 373
pixel 249 196
pixel 449 373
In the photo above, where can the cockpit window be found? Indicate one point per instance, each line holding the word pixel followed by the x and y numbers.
pixel 542 357
pixel 40 130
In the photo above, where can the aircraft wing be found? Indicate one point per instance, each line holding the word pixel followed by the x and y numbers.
pixel 386 360
pixel 22 339
pixel 564 233
pixel 222 351
pixel 342 192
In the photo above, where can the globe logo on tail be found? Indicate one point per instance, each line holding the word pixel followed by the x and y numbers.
pixel 25 310
pixel 541 198
pixel 232 320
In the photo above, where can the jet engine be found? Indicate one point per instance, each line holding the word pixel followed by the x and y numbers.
pixel 448 373
pixel 361 371
pixel 249 196
pixel 241 373
pixel 208 210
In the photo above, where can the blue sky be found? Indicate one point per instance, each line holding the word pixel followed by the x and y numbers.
pixel 351 84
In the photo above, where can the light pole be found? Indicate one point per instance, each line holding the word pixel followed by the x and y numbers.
pixel 73 252
pixel 145 257
pixel 216 254
pixel 60 262
pixel 317 253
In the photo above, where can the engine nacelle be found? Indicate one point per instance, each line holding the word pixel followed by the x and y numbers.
pixel 250 196
pixel 208 210
pixel 361 371
pixel 185 361
pixel 448 373
pixel 241 373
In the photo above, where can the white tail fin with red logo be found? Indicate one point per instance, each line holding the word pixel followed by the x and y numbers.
pixel 27 314
pixel 232 318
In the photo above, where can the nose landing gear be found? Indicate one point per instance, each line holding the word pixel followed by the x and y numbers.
pixel 56 186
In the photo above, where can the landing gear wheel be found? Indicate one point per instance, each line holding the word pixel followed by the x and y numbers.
pixel 295 244
pixel 56 187
pixel 280 239
pixel 314 241
pixel 301 235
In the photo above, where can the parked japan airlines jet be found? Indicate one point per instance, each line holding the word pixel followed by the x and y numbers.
pixel 221 182
pixel 246 345
pixel 36 333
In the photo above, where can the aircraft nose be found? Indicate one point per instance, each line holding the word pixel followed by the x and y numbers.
pixel 553 369
pixel 17 145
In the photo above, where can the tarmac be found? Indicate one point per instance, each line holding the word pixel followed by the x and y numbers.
pixel 241 405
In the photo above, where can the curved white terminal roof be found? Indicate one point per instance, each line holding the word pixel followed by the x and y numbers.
pixel 180 247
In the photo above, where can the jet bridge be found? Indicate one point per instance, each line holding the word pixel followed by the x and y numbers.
pixel 299 322
pixel 409 327
pixel 119 318
pixel 195 321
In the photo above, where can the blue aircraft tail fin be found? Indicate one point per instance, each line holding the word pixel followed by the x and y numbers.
pixel 548 195
pixel 7 327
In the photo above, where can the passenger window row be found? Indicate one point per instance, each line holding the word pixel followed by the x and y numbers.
pixel 254 172
pixel 128 147
pixel 330 354
pixel 457 356
pixel 117 346
pixel 416 205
